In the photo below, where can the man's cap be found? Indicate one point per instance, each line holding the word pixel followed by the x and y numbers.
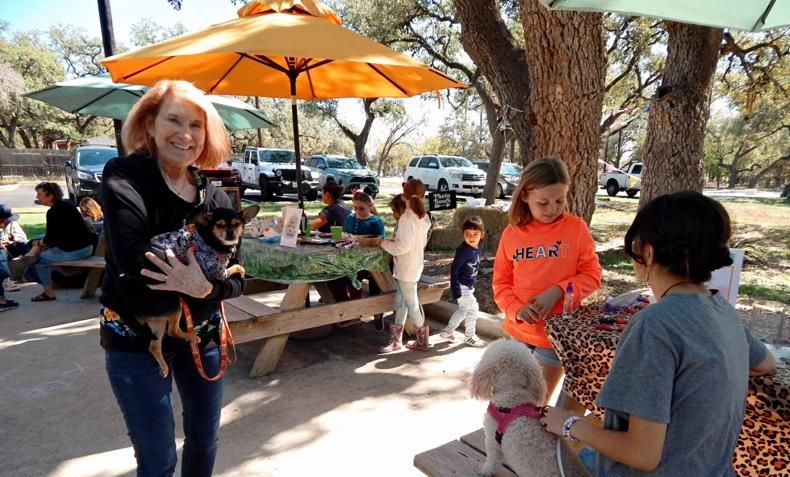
pixel 7 214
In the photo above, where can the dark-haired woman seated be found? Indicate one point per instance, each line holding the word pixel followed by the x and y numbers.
pixel 66 238
pixel 676 394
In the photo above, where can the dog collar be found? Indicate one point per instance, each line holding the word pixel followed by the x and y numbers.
pixel 504 416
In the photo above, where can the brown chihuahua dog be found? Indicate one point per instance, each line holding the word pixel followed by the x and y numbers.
pixel 214 236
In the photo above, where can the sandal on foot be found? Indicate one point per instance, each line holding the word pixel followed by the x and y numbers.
pixel 43 297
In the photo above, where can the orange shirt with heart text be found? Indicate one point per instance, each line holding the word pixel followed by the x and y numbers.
pixel 534 257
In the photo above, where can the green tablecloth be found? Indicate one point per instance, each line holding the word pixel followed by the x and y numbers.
pixel 309 263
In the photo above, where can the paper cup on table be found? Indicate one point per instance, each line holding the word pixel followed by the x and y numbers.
pixel 337 233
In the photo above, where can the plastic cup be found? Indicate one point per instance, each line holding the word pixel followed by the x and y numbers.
pixel 337 233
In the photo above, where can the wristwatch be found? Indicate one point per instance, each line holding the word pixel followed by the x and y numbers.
pixel 566 428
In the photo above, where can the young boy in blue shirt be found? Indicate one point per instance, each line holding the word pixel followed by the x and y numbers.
pixel 463 274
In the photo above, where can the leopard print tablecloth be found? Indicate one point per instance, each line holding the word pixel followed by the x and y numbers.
pixel 586 354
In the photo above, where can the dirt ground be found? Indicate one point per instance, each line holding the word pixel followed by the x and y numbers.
pixel 333 408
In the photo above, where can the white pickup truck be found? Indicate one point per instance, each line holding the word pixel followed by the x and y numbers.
pixel 630 181
pixel 273 171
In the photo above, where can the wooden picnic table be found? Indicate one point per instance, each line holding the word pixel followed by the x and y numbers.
pixel 300 269
pixel 586 353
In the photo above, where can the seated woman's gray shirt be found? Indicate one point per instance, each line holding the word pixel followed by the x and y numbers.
pixel 684 362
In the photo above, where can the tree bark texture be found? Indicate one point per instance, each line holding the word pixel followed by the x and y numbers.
pixel 497 143
pixel 487 40
pixel 674 145
pixel 567 65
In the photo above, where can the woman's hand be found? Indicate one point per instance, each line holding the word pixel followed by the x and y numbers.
pixel 539 306
pixel 376 241
pixel 554 418
pixel 187 279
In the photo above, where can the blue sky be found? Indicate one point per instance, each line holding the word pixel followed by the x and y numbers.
pixel 26 15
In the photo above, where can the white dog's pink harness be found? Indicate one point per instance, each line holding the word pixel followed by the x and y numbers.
pixel 504 416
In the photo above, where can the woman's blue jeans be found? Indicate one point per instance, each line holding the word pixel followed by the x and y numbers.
pixel 41 271
pixel 145 401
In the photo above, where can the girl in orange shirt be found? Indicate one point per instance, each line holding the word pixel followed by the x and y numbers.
pixel 542 250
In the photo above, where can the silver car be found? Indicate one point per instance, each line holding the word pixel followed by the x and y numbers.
pixel 344 171
pixel 509 175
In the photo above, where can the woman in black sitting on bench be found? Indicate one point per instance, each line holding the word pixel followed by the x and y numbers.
pixel 66 238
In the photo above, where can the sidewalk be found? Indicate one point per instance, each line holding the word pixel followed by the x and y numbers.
pixel 333 407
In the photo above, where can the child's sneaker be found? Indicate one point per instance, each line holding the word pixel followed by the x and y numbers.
pixel 447 335
pixel 474 341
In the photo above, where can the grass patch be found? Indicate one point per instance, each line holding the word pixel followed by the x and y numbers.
pixel 778 292
pixel 33 220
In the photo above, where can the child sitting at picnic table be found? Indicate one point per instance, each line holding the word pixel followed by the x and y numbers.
pixel 543 251
pixel 408 250
pixel 676 392
pixel 364 223
pixel 335 213
pixel 463 274
pixel 364 220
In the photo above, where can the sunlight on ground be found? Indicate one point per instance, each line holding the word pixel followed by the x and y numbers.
pixel 7 344
pixel 121 461
pixel 65 329
pixel 77 327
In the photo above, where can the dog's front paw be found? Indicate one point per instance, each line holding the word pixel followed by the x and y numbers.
pixel 235 270
pixel 486 470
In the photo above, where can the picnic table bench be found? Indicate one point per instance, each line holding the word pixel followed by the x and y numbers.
pixel 302 268
pixel 251 320
pixel 460 458
pixel 95 265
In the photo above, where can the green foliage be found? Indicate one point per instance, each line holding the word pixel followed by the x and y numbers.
pixel 26 57
pixel 745 149
pixel 80 53
pixel 147 31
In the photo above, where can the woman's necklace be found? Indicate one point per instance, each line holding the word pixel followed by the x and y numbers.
pixel 673 286
pixel 179 191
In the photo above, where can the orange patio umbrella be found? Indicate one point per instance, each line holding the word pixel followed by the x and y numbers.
pixel 281 48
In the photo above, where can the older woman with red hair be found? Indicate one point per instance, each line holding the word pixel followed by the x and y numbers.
pixel 172 130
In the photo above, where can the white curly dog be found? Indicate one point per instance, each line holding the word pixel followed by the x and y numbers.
pixel 510 378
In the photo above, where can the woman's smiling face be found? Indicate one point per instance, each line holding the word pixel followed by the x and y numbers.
pixel 179 131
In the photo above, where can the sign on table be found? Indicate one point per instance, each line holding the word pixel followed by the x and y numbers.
pixel 291 218
pixel 728 279
pixel 442 200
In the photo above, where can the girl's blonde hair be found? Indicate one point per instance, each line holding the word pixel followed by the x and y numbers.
pixel 413 195
pixel 134 134
pixel 540 173
pixel 91 208
pixel 360 196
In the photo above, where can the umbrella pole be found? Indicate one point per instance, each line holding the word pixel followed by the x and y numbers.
pixel 295 119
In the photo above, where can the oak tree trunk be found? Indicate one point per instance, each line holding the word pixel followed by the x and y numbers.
pixel 674 149
pixel 494 166
pixel 487 40
pixel 567 65
pixel 497 143
pixel 561 107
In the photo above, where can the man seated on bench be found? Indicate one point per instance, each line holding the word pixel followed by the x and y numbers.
pixel 66 238
pixel 11 234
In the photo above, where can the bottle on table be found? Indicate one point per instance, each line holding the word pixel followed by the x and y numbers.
pixel 567 304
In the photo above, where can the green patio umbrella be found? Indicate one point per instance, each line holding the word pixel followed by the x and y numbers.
pixel 749 15
pixel 99 96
